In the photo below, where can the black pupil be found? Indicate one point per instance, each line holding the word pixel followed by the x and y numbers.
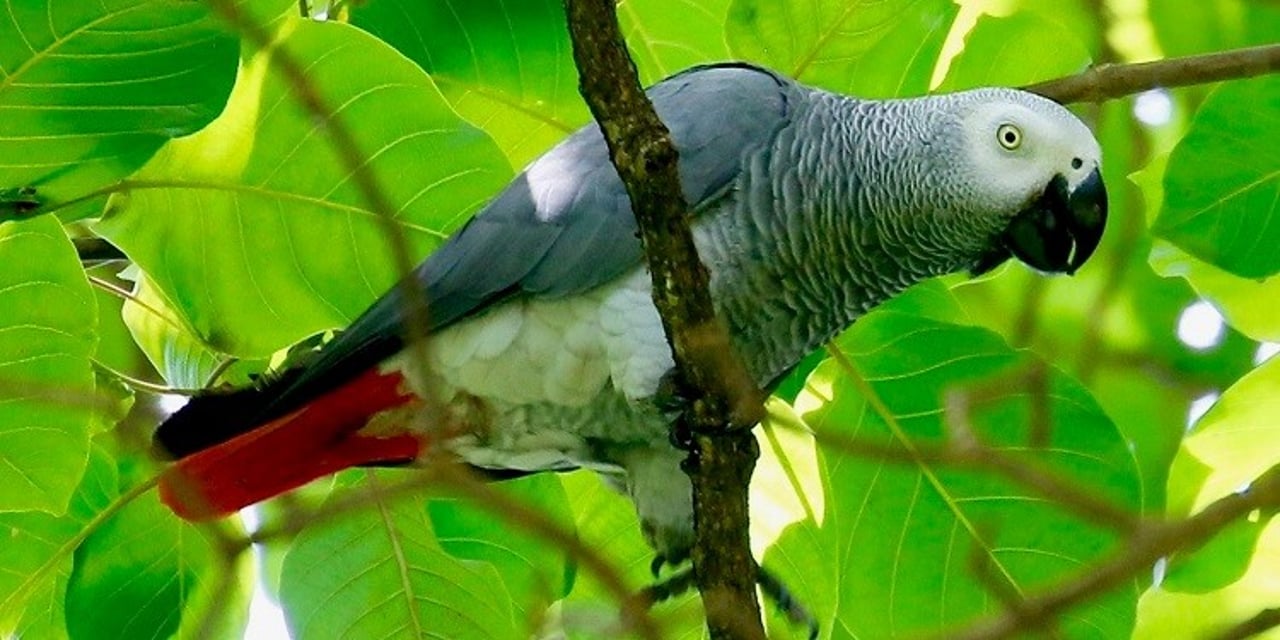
pixel 1010 137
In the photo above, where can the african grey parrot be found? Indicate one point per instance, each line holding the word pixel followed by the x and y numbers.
pixel 545 351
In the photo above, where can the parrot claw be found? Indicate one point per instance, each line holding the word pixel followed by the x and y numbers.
pixel 677 585
pixel 655 567
pixel 772 588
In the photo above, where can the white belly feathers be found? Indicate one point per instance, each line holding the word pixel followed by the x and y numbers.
pixel 549 374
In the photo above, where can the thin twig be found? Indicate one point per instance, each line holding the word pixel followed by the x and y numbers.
pixel 139 384
pixel 1108 82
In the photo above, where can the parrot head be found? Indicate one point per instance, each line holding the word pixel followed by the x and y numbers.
pixel 1040 167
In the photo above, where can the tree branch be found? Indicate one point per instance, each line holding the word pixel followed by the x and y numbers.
pixel 720 391
pixel 1108 82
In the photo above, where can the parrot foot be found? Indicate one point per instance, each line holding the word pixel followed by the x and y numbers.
pixel 775 590
pixel 677 585
pixel 772 588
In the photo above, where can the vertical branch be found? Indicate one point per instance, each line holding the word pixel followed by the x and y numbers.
pixel 720 392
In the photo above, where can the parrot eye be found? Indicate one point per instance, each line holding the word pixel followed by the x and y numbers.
pixel 1009 136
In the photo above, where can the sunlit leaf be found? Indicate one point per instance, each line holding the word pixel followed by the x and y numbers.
pixel 47 318
pixel 1239 437
pixel 1015 51
pixel 172 347
pixel 1166 614
pixel 1222 186
pixel 89 90
pixel 668 36
pixel 825 42
pixel 254 229
pixel 506 67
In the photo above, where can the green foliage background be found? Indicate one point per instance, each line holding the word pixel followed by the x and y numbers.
pixel 154 125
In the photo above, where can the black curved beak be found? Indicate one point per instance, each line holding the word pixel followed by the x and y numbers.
pixel 1059 230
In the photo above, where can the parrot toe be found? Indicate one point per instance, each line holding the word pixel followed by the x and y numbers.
pixel 775 590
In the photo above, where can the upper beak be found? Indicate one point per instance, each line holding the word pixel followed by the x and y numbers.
pixel 1058 231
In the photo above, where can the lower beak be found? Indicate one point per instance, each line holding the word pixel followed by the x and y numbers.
pixel 1060 230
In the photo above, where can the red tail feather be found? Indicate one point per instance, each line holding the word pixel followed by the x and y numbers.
pixel 314 441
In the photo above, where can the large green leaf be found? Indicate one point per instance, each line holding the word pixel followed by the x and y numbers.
pixel 533 572
pixel 507 67
pixel 824 42
pixel 47 318
pixel 1015 51
pixel 666 37
pixel 254 230
pixel 1187 28
pixel 89 90
pixel 36 559
pixel 378 572
pixel 1222 185
pixel 146 574
pixel 894 555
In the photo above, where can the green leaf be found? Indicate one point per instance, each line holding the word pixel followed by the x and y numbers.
pixel 666 38
pixel 825 42
pixel 1018 50
pixel 1188 28
pixel 89 90
pixel 1222 186
pixel 507 67
pixel 1164 614
pixel 1238 438
pixel 902 62
pixel 1235 297
pixel 1241 301
pixel 1220 562
pixel 254 230
pixel 377 572
pixel 534 573
pixel 894 555
pixel 47 318
pixel 36 559
pixel 146 574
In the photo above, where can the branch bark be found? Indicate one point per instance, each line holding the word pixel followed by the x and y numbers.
pixel 719 391
pixel 1108 82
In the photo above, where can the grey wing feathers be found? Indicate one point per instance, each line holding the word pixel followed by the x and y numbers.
pixel 564 225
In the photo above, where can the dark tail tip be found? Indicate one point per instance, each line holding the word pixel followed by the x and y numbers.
pixel 217 416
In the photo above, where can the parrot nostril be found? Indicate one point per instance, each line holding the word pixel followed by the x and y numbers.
pixel 1076 163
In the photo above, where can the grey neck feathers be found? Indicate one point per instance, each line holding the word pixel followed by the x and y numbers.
pixel 831 219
